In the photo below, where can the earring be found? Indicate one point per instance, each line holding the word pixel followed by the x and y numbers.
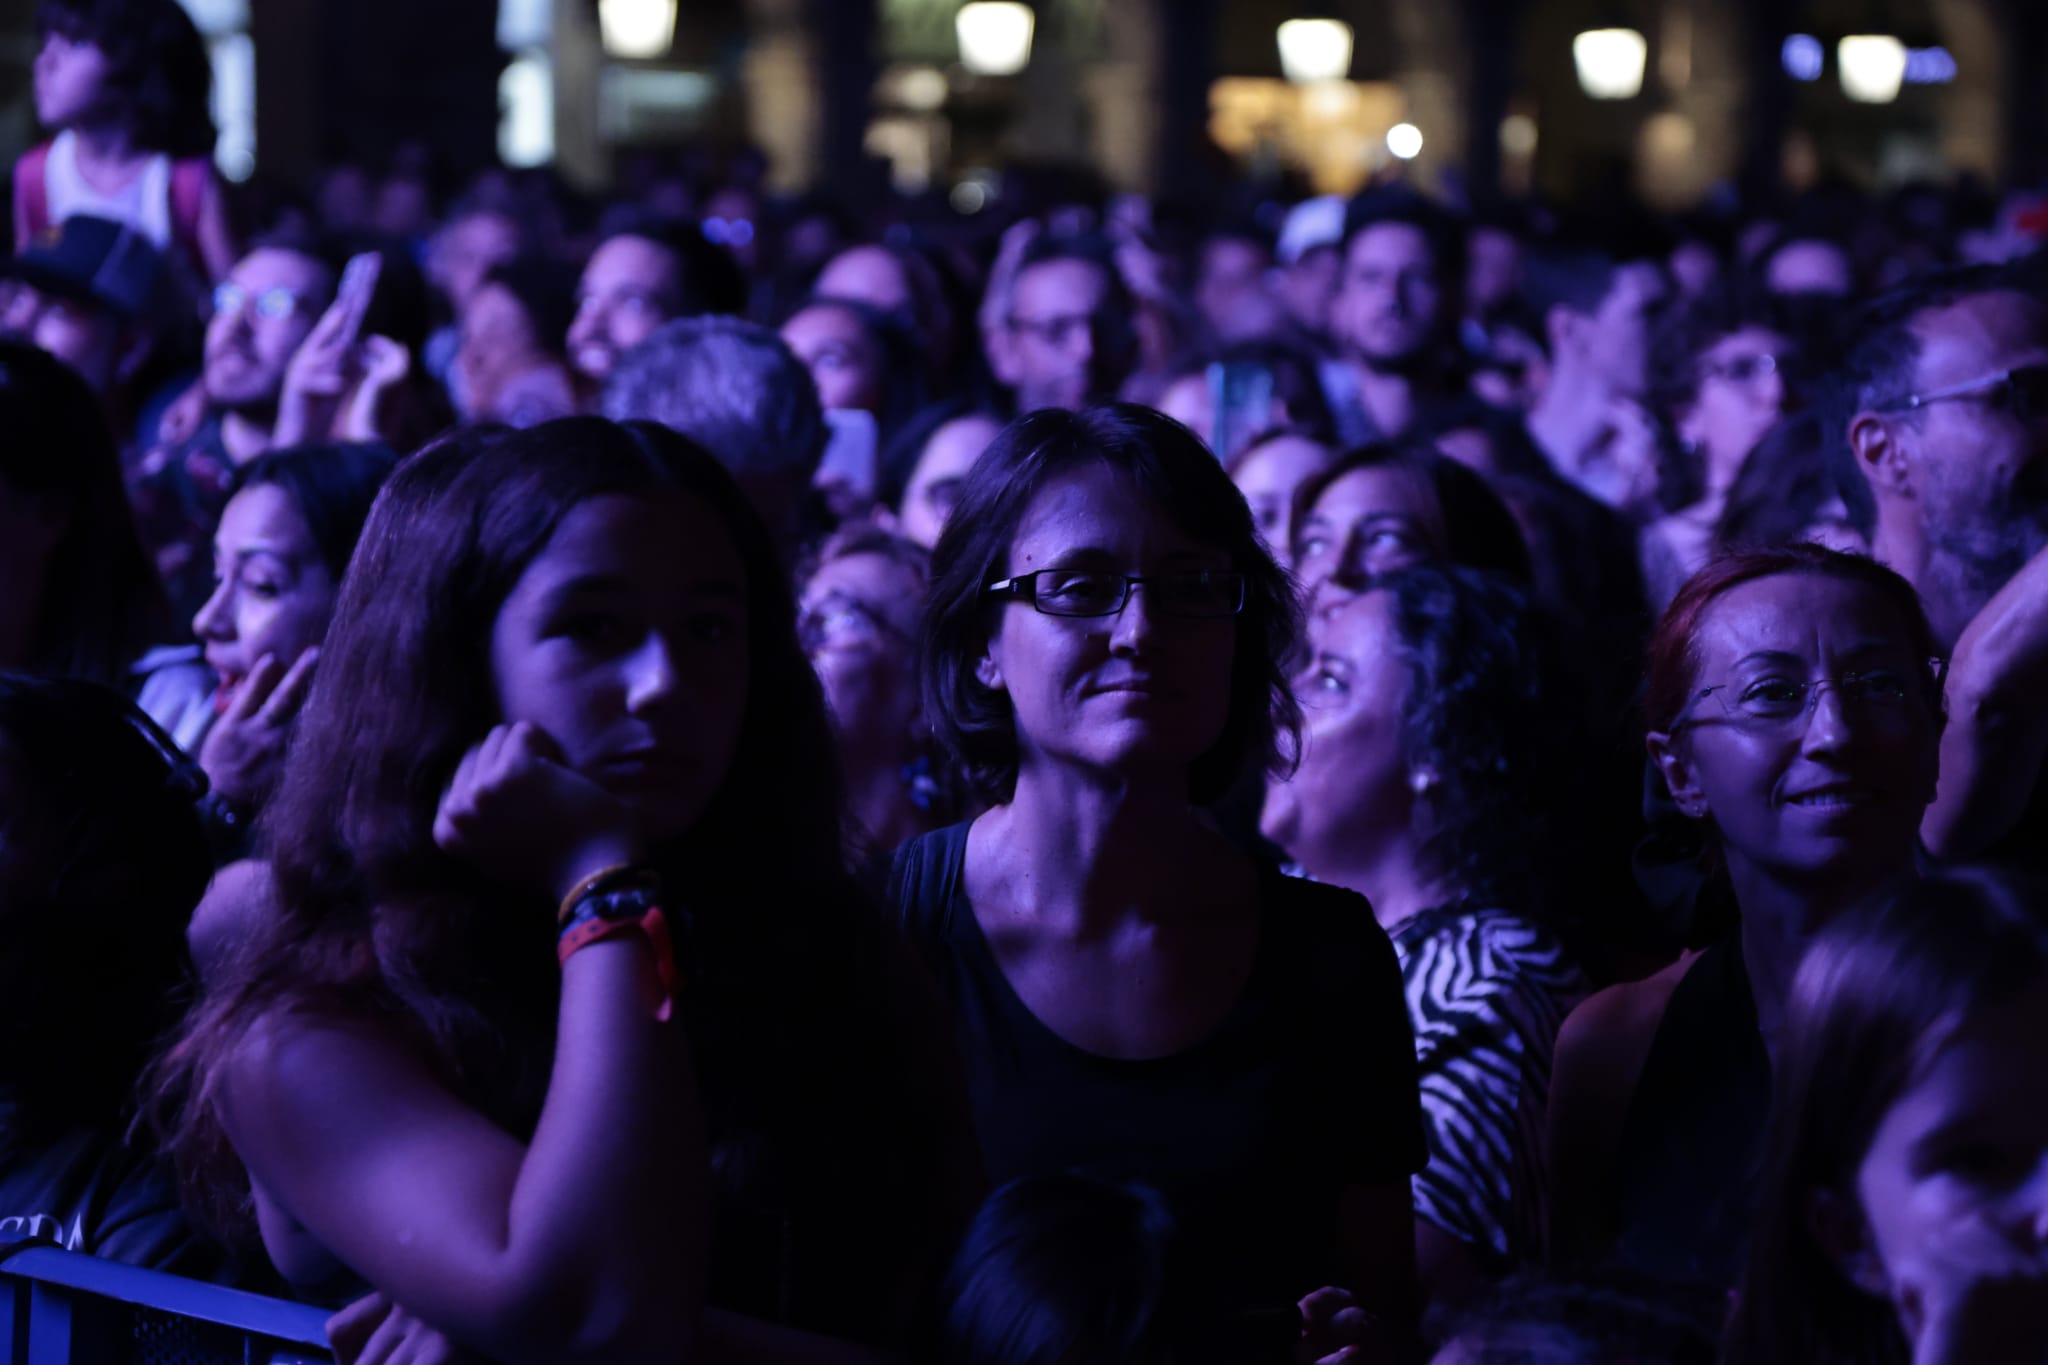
pixel 1421 780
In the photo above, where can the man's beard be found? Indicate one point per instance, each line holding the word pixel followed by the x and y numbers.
pixel 1982 557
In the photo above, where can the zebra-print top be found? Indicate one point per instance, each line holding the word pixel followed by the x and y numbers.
pixel 1487 990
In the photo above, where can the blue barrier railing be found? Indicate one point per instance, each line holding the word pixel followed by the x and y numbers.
pixel 63 1308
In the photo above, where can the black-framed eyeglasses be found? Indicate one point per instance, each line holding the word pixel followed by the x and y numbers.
pixel 1778 702
pixel 2022 391
pixel 1101 592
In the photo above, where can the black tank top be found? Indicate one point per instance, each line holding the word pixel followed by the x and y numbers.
pixel 1307 1088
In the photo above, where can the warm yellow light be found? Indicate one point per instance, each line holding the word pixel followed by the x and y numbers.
pixel 995 36
pixel 1873 67
pixel 637 28
pixel 1315 50
pixel 1610 62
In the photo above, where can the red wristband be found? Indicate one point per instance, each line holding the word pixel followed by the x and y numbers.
pixel 653 926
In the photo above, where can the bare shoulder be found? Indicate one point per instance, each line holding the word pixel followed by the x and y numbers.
pixel 241 896
pixel 1609 1033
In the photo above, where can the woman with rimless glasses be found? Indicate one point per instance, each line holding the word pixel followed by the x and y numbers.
pixel 1135 997
pixel 1795 716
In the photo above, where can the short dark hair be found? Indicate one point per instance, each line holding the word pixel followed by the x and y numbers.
pixel 1438 226
pixel 1088 247
pixel 1063 1267
pixel 156 59
pixel 709 280
pixel 1622 1316
pixel 1171 467
pixel 546 292
pixel 1479 530
pixel 1574 279
pixel 330 486
pixel 1684 334
pixel 1880 353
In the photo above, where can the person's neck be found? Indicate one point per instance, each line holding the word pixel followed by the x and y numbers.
pixel 247 434
pixel 1390 396
pixel 880 800
pixel 105 148
pixel 1566 422
pixel 1953 594
pixel 1383 866
pixel 1092 848
pixel 1779 917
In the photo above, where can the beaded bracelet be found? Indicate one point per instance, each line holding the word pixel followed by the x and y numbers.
pixel 619 876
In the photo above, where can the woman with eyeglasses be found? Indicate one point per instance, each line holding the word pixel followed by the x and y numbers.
pixel 857 617
pixel 1134 996
pixel 1794 712
pixel 1719 376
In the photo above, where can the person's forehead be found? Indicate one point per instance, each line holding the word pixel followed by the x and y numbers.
pixel 1063 279
pixel 1093 505
pixel 264 513
pixel 1391 243
pixel 956 446
pixel 1282 459
pixel 868 576
pixel 1986 331
pixel 630 259
pixel 866 272
pixel 266 267
pixel 1373 491
pixel 823 322
pixel 1794 613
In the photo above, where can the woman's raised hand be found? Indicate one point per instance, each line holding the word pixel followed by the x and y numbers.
pixel 515 810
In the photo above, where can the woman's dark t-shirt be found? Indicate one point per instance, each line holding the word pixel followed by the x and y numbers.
pixel 1306 1089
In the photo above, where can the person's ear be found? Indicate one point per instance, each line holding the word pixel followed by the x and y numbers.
pixel 1838 1227
pixel 1681 777
pixel 1884 458
pixel 988 672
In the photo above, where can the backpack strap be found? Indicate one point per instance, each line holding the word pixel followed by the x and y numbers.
pixel 188 195
pixel 32 190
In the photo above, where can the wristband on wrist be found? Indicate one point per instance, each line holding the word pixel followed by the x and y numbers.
pixel 617 877
pixel 650 924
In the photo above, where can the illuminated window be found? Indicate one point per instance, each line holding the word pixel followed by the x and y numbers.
pixel 225 25
pixel 526 88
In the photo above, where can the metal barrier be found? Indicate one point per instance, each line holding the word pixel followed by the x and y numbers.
pixel 63 1308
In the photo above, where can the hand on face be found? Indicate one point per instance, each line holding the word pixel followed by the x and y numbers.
pixel 517 811
pixel 243 753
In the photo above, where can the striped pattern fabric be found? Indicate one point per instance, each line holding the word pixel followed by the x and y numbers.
pixel 1487 990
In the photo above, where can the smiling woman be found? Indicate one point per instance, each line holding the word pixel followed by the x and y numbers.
pixel 1795 712
pixel 1136 997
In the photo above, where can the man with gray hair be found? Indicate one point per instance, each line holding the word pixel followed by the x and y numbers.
pixel 738 391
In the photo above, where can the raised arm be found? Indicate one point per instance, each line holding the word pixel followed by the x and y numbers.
pixel 1997 736
pixel 584 1244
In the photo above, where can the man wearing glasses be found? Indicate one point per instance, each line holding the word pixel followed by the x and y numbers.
pixel 260 314
pixel 1944 388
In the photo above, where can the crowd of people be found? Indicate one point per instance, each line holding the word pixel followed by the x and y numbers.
pixel 713 777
